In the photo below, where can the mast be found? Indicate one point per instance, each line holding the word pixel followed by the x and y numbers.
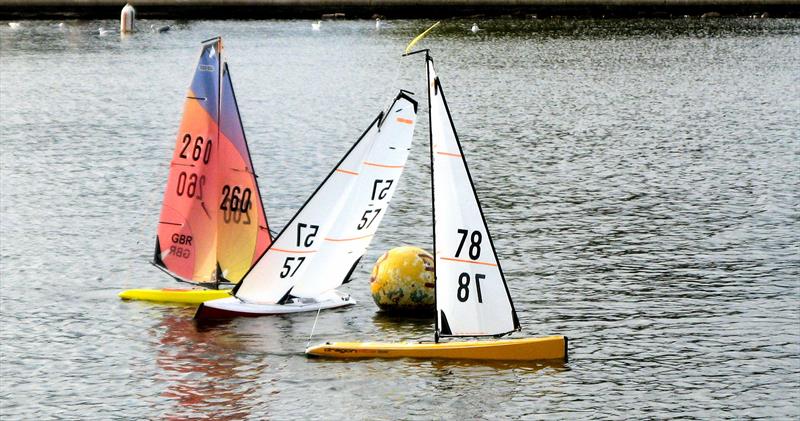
pixel 218 276
pixel 428 58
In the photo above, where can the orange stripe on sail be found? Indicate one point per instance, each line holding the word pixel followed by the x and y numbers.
pixel 293 251
pixel 372 164
pixel 346 171
pixel 468 261
pixel 404 120
pixel 349 239
pixel 457 155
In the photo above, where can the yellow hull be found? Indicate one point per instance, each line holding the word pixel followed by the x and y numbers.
pixel 170 295
pixel 527 349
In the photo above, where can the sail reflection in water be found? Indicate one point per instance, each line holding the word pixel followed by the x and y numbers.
pixel 204 373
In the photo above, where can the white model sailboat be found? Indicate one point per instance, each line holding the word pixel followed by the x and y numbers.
pixel 212 226
pixel 320 247
pixel 472 299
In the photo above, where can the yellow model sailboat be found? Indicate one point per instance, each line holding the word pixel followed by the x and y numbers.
pixel 472 298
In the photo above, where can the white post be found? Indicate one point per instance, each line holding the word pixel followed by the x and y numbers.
pixel 126 18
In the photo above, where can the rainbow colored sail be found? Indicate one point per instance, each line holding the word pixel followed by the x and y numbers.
pixel 212 225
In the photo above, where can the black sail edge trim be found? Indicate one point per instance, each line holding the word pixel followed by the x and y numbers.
pixel 227 71
pixel 446 331
pixel 220 278
pixel 286 297
pixel 428 59
pixel 407 96
pixel 400 95
pixel 159 263
pixel 438 85
pixel 352 269
pixel 157 256
pixel 291 221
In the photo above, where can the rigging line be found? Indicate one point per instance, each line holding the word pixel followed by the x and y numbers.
pixel 313 328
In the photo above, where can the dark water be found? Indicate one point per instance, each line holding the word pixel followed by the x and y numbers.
pixel 641 180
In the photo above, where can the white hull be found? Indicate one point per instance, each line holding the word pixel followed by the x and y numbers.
pixel 226 308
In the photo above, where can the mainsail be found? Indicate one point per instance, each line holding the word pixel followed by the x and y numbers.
pixel 472 298
pixel 319 247
pixel 212 222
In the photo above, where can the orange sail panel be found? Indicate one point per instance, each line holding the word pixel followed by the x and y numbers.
pixel 212 223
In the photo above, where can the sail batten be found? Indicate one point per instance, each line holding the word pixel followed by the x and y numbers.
pixel 472 297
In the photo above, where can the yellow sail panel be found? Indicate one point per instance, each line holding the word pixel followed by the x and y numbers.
pixel 242 226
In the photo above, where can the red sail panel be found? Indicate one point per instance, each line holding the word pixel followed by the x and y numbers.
pixel 243 231
pixel 187 230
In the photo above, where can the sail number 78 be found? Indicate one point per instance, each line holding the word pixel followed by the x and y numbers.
pixel 463 286
pixel 474 246
pixel 474 252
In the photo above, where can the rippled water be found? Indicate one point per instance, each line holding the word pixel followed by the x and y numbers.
pixel 640 178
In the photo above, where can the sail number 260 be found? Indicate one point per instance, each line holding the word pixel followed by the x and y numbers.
pixel 197 150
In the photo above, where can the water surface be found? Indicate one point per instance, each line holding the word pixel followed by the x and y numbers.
pixel 640 179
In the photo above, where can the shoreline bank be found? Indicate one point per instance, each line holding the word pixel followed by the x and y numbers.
pixel 394 9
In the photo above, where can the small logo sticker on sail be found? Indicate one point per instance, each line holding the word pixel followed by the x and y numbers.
pixel 206 68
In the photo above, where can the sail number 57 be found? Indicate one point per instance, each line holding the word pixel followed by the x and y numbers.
pixel 288 264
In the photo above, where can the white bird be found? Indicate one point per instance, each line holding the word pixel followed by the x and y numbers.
pixel 61 24
pixel 13 25
pixel 475 28
pixel 378 23
pixel 101 32
pixel 315 25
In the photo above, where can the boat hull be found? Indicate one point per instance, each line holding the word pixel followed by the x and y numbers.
pixel 174 295
pixel 232 307
pixel 526 349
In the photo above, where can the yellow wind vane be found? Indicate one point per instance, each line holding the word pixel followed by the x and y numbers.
pixel 420 36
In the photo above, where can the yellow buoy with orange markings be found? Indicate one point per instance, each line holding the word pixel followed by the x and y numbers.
pixel 403 281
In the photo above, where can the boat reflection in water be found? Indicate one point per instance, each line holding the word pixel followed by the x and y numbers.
pixel 206 373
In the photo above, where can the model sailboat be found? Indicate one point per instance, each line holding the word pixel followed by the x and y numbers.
pixel 320 247
pixel 472 299
pixel 212 226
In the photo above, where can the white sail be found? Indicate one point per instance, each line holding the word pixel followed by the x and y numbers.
pixel 368 203
pixel 303 255
pixel 471 294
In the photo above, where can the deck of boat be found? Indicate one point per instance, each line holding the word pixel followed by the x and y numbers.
pixel 526 349
pixel 174 295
